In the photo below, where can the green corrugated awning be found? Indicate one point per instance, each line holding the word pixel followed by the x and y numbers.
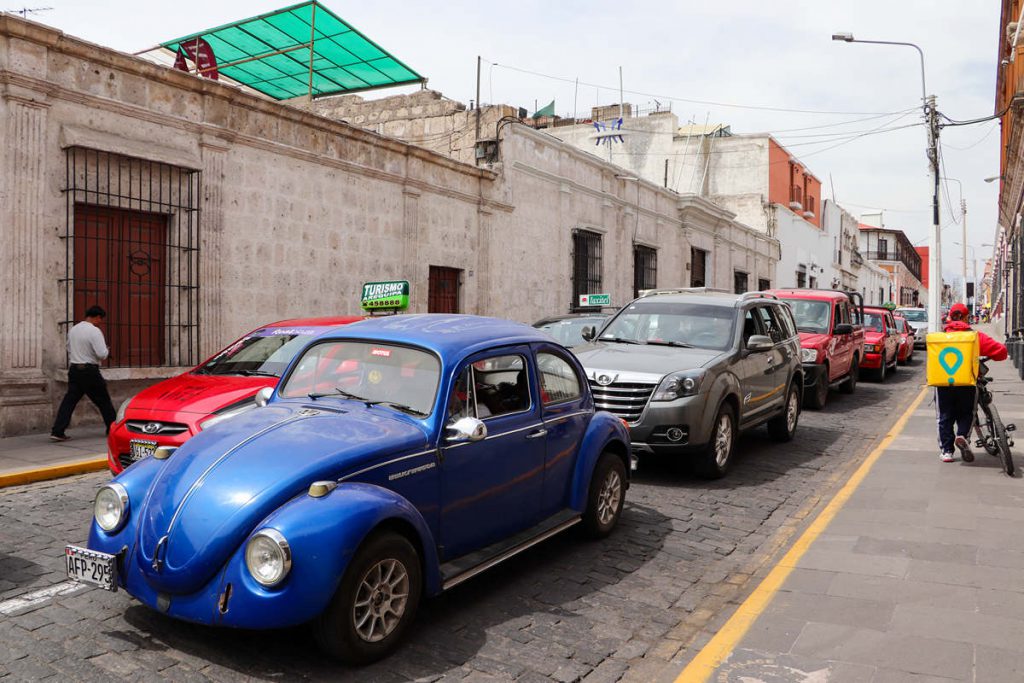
pixel 271 53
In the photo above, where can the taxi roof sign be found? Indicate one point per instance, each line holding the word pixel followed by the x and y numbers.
pixel 391 295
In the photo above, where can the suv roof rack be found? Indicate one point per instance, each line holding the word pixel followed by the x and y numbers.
pixel 757 295
pixel 683 290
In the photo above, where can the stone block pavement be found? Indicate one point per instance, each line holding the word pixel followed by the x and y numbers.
pixel 919 576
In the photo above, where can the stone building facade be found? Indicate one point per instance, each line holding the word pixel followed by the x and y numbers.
pixel 196 212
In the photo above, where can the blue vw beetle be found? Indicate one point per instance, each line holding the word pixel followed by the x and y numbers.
pixel 398 457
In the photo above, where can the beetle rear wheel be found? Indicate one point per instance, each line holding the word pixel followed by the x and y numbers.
pixel 375 602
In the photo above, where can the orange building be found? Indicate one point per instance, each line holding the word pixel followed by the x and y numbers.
pixel 923 253
pixel 790 184
pixel 1008 270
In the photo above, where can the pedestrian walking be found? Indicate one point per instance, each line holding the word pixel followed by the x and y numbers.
pixel 86 348
pixel 955 405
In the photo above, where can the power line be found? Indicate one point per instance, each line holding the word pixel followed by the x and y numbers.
pixel 975 143
pixel 691 100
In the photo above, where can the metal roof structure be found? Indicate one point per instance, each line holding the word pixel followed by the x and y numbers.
pixel 302 50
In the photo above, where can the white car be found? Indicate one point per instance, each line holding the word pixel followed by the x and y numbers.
pixel 918 319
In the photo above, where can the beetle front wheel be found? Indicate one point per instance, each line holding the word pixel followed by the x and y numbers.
pixel 375 602
pixel 605 497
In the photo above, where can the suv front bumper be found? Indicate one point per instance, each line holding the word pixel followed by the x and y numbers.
pixel 693 415
pixel 813 372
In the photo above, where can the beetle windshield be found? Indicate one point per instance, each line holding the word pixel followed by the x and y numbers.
pixel 811 316
pixel 368 371
pixel 265 352
pixel 676 324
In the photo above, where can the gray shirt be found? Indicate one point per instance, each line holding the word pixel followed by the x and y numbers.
pixel 86 344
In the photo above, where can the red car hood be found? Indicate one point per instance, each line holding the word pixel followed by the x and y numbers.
pixel 872 337
pixel 200 394
pixel 813 340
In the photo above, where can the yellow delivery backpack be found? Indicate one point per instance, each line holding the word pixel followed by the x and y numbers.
pixel 953 358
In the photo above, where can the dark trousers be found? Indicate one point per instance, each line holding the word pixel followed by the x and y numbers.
pixel 84 381
pixel 954 406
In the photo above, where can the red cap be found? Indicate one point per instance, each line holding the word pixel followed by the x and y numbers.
pixel 958 308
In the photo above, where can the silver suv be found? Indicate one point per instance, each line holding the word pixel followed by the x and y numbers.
pixel 689 369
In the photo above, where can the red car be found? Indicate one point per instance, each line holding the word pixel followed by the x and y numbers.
pixel 172 411
pixel 831 339
pixel 881 342
pixel 906 348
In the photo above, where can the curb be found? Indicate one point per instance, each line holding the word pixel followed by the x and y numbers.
pixel 29 476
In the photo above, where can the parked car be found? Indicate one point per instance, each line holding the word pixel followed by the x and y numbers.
pixel 918 319
pixel 172 411
pixel 397 458
pixel 568 329
pixel 688 369
pixel 831 339
pixel 881 342
pixel 905 353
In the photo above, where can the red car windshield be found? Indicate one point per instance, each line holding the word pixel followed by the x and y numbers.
pixel 265 352
pixel 873 321
pixel 811 316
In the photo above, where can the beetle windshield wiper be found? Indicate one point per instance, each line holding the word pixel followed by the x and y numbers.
pixel 620 340
pixel 338 392
pixel 397 406
pixel 668 342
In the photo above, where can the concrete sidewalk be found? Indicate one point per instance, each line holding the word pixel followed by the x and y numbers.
pixel 918 577
pixel 34 457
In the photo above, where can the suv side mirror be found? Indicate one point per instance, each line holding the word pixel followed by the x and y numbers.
pixel 588 332
pixel 466 429
pixel 843 328
pixel 759 342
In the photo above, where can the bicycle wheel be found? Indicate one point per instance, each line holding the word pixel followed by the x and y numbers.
pixel 999 432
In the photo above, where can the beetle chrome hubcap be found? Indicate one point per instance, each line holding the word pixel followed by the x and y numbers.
pixel 723 440
pixel 609 497
pixel 381 600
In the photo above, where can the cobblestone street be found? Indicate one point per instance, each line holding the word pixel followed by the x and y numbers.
pixel 633 608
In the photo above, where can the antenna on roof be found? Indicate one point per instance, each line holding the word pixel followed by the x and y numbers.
pixel 25 11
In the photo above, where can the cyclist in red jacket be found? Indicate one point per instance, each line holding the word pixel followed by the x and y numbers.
pixel 955 405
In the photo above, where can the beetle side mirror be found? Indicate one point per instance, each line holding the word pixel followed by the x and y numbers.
pixel 588 332
pixel 759 342
pixel 263 396
pixel 843 328
pixel 466 429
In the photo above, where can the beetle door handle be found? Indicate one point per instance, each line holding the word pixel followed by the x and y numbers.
pixel 537 434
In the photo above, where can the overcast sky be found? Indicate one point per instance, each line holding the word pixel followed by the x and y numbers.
pixel 776 54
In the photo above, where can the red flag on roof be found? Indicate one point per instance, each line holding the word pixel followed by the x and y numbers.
pixel 200 52
pixel 179 61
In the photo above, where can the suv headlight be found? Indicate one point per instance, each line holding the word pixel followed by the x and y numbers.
pixel 124 407
pixel 228 413
pixel 678 385
pixel 268 557
pixel 110 507
pixel 809 355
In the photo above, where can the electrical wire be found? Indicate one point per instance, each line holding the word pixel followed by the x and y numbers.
pixel 971 122
pixel 690 100
pixel 975 143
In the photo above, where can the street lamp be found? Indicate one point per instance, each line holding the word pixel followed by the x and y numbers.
pixel 935 244
pixel 993 178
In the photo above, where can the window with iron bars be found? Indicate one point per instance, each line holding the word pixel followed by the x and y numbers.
pixel 645 268
pixel 586 266
pixel 741 282
pixel 131 244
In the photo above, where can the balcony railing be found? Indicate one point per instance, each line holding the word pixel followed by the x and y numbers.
pixel 914 266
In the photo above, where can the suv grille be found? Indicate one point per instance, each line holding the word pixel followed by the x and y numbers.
pixel 624 399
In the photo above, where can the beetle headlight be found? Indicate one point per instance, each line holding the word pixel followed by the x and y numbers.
pixel 809 355
pixel 124 407
pixel 678 385
pixel 110 507
pixel 268 557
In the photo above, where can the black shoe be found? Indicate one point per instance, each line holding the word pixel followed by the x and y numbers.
pixel 59 437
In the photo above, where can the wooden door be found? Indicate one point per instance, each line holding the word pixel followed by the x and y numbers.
pixel 443 290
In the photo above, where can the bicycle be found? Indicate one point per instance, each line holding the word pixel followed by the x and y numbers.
pixel 992 433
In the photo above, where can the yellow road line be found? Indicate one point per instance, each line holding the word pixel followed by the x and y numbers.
pixel 722 644
pixel 28 476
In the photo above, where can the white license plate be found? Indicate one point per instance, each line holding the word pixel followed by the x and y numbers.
pixel 92 567
pixel 140 449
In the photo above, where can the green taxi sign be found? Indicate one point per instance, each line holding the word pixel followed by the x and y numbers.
pixel 595 299
pixel 385 296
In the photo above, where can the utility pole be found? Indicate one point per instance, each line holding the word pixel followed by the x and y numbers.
pixel 935 252
pixel 963 243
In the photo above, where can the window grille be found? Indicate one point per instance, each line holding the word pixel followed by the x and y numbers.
pixel 740 282
pixel 586 266
pixel 698 267
pixel 645 268
pixel 131 245
pixel 763 284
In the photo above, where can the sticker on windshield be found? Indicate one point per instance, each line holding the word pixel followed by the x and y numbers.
pixel 374 377
pixel 383 353
pixel 293 331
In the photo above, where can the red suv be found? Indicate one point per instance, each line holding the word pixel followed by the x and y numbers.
pixel 881 342
pixel 172 411
pixel 831 339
